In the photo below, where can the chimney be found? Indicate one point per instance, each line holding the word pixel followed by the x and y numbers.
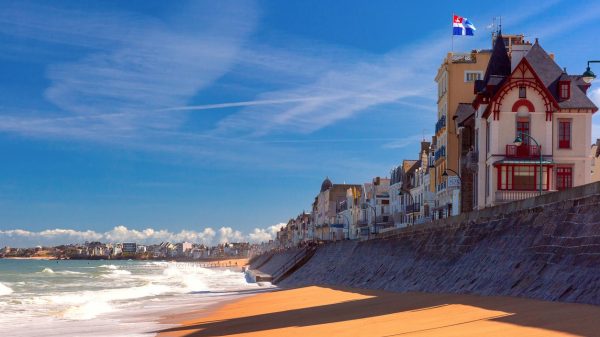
pixel 518 52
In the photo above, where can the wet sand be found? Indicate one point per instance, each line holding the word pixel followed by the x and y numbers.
pixel 322 311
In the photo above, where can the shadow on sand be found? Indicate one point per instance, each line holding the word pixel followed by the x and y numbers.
pixel 522 312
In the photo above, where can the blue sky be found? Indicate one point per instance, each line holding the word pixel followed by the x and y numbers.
pixel 117 116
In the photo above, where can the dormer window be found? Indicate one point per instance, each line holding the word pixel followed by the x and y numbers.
pixel 564 89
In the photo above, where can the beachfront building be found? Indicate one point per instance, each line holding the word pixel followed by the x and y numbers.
pixel 350 213
pixel 423 197
pixel 398 192
pixel 529 113
pixel 595 154
pixel 455 78
pixel 327 225
pixel 377 204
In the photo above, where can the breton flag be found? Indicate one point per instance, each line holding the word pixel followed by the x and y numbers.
pixel 462 26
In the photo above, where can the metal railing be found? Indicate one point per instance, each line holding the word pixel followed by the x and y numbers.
pixel 523 151
pixel 506 195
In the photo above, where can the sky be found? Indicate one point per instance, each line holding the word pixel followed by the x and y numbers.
pixel 216 121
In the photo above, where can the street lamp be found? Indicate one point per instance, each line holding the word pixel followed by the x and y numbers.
pixel 518 141
pixel 445 174
pixel 588 75
pixel 374 216
pixel 347 223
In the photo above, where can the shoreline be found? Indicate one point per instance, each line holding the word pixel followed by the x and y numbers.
pixel 336 311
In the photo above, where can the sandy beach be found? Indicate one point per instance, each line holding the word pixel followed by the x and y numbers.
pixel 322 311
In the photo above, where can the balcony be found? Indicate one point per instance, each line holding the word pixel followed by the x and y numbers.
pixel 506 196
pixel 441 124
pixel 523 151
pixel 440 153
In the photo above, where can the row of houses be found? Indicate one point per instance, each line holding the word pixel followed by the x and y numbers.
pixel 511 124
pixel 133 250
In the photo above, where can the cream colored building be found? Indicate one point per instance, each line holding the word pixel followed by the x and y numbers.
pixel 595 154
pixel 529 94
pixel 454 79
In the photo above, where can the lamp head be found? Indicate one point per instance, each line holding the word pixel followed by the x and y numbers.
pixel 588 75
pixel 445 174
pixel 518 141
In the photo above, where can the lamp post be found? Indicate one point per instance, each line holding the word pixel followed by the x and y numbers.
pixel 445 175
pixel 374 216
pixel 347 224
pixel 518 141
pixel 412 200
pixel 588 75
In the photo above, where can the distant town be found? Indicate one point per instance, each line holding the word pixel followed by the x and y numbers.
pixel 183 251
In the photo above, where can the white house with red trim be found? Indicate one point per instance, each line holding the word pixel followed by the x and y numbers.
pixel 528 95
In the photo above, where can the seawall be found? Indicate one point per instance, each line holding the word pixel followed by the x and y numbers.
pixel 545 248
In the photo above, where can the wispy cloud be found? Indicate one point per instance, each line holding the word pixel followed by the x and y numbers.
pixel 132 64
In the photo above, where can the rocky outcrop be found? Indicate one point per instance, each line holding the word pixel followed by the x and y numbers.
pixel 546 249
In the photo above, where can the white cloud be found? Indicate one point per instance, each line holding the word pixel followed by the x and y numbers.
pixel 228 234
pixel 51 237
pixel 265 234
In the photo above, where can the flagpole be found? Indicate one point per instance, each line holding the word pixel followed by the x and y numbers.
pixel 452 32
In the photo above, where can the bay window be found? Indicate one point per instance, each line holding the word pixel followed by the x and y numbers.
pixel 522 177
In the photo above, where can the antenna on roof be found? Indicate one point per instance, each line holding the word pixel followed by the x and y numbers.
pixel 500 25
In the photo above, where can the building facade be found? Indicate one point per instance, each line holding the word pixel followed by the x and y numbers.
pixel 532 126
pixel 455 78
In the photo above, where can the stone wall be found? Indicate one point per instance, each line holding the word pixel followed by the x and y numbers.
pixel 546 248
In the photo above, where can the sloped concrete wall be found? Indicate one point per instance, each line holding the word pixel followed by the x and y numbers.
pixel 278 260
pixel 549 249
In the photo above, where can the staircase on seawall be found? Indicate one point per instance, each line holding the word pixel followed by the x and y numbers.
pixel 293 264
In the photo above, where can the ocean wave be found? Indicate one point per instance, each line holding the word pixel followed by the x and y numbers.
pixel 108 266
pixel 48 271
pixel 69 272
pixel 5 290
pixel 89 304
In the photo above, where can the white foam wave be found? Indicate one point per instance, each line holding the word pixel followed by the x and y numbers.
pixel 5 290
pixel 69 272
pixel 89 304
pixel 48 271
pixel 109 266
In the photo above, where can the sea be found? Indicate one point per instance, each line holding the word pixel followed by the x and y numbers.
pixel 109 298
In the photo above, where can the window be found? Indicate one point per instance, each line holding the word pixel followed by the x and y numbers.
pixel 564 133
pixel 564 89
pixel 521 177
pixel 522 92
pixel 472 76
pixel 523 128
pixel 564 178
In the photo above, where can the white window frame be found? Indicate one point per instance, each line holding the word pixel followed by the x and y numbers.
pixel 469 72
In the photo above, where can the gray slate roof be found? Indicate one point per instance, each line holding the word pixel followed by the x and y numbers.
pixel 550 74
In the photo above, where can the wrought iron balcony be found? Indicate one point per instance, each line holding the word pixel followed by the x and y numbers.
pixel 440 153
pixel 441 124
pixel 523 151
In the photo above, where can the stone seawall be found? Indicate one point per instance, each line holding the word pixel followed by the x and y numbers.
pixel 544 248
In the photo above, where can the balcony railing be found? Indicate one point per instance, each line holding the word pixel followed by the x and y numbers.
pixel 413 208
pixel 505 196
pixel 441 123
pixel 523 151
pixel 440 153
